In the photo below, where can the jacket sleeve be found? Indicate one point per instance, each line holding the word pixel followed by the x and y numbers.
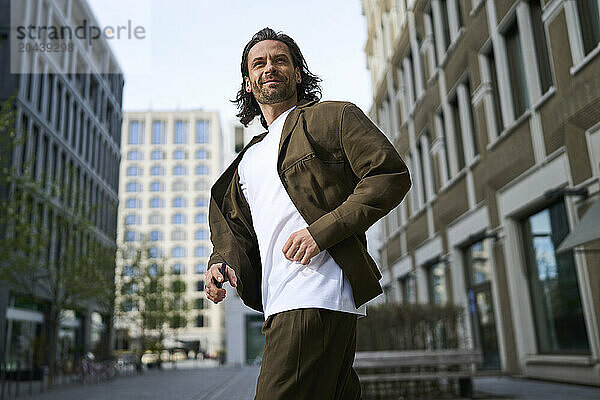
pixel 383 182
pixel 231 230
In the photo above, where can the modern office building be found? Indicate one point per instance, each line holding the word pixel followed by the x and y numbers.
pixel 68 109
pixel 495 106
pixel 170 161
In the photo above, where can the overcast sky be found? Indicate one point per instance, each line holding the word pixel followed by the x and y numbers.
pixel 192 51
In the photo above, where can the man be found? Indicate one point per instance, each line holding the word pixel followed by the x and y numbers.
pixel 289 216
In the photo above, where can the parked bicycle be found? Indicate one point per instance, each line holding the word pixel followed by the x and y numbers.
pixel 96 371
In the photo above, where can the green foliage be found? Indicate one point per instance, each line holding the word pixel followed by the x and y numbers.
pixel 157 298
pixel 60 260
pixel 411 327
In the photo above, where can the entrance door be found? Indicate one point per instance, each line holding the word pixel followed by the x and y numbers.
pixel 484 325
pixel 481 304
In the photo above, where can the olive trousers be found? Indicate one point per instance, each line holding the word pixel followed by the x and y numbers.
pixel 308 355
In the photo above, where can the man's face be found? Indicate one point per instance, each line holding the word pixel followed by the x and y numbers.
pixel 272 76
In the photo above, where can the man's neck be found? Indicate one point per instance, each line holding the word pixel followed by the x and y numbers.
pixel 272 111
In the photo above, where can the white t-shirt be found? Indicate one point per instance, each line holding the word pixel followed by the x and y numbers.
pixel 287 285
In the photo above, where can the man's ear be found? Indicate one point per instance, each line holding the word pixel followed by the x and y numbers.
pixel 247 85
pixel 298 75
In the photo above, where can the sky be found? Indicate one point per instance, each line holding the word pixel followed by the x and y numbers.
pixel 190 57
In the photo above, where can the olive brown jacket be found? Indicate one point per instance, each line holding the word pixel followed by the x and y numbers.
pixel 342 174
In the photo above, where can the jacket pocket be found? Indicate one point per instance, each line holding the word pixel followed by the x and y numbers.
pixel 301 159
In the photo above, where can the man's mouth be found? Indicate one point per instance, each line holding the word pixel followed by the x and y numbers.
pixel 271 82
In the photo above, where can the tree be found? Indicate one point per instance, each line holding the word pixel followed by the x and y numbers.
pixel 58 260
pixel 147 299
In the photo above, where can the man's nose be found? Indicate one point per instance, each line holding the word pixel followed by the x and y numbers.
pixel 270 67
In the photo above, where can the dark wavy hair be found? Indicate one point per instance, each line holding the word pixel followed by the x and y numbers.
pixel 307 89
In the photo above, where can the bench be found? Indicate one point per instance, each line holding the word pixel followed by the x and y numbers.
pixel 380 372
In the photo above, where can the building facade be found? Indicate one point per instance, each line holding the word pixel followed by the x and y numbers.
pixel 68 110
pixel 495 106
pixel 170 161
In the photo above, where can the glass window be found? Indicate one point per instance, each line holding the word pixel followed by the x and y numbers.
pixel 155 202
pixel 157 186
pixel 130 236
pixel 202 154
pixel 156 236
pixel 179 154
pixel 155 219
pixel 200 251
pixel 128 270
pixel 178 269
pixel 133 155
pixel 498 119
pixel 553 285
pixel 178 202
pixel 178 252
pixel 201 234
pixel 202 169
pixel 589 22
pixel 158 132
pixel 133 187
pixel 153 269
pixel 199 304
pixel 133 170
pixel 199 268
pixel 407 288
pixel 132 203
pixel 441 128
pixel 179 170
pixel 200 286
pixel 478 262
pixel 200 218
pixel 445 25
pixel 541 45
pixel 200 186
pixel 180 132
pixel 459 148
pixel 178 234
pixel 131 219
pixel 239 138
pixel 157 170
pixel 201 202
pixel 438 288
pixel 178 218
pixel 202 131
pixel 157 155
pixel 516 68
pixel 200 321
pixel 135 133
pixel 179 186
pixel 153 252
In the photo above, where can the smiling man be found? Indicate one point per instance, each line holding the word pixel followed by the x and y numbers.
pixel 289 216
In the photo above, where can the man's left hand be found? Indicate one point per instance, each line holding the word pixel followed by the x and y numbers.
pixel 301 247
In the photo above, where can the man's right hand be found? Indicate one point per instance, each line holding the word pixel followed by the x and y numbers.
pixel 213 293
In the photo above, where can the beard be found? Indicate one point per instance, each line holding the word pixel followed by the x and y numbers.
pixel 280 92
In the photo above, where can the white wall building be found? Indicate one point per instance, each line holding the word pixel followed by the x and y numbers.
pixel 170 159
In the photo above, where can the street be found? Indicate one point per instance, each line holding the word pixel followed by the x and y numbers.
pixel 239 383
pixel 232 383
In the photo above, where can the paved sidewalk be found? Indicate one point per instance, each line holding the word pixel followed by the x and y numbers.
pixel 231 383
pixel 239 383
pixel 528 389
